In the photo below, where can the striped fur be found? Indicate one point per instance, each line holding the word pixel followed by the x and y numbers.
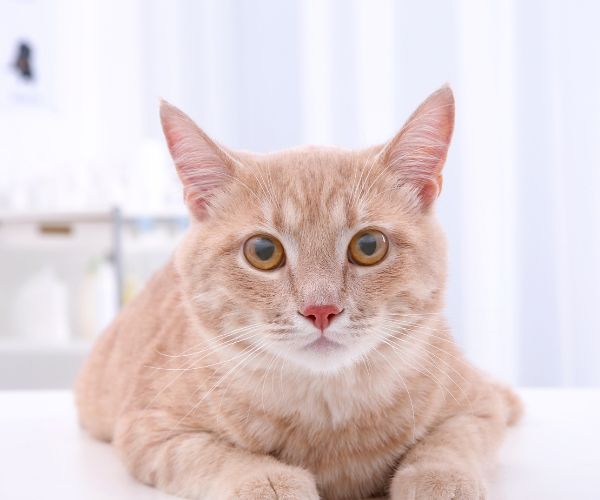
pixel 204 383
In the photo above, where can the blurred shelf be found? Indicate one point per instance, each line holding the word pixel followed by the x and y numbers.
pixel 55 218
pixel 43 246
pixel 14 345
pixel 100 217
pixel 129 246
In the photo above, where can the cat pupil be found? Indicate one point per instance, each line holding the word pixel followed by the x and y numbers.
pixel 367 244
pixel 264 248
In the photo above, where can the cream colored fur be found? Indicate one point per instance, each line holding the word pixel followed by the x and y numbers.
pixel 205 384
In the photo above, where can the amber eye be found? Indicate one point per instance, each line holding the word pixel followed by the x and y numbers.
pixel 264 252
pixel 368 247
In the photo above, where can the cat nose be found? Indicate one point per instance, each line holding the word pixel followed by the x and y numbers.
pixel 321 316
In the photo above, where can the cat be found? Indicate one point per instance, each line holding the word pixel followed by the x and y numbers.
pixel 295 346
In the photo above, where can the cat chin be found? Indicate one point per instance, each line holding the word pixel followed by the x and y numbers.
pixel 322 359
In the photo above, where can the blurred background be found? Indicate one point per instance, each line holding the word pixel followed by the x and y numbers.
pixel 90 205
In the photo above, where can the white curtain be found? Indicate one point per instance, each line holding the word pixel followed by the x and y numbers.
pixel 520 202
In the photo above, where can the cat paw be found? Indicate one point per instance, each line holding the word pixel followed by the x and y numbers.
pixel 436 482
pixel 281 483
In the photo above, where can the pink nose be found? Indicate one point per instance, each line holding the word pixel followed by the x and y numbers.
pixel 321 316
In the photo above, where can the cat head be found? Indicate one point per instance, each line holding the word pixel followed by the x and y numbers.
pixel 315 255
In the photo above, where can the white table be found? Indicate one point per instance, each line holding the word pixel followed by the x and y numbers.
pixel 554 454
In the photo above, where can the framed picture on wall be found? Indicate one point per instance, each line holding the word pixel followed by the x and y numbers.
pixel 26 49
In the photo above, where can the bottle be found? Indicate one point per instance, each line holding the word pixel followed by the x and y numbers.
pixel 41 311
pixel 97 299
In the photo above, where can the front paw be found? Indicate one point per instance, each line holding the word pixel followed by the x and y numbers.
pixel 275 483
pixel 436 482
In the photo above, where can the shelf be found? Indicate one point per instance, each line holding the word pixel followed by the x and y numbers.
pixel 69 246
pixel 12 345
pixel 92 218
pixel 56 218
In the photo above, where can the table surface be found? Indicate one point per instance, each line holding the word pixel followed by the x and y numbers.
pixel 553 454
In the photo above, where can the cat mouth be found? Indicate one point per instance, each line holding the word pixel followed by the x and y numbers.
pixel 323 344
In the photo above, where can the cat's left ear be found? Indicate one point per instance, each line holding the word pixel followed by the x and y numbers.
pixel 416 155
pixel 203 166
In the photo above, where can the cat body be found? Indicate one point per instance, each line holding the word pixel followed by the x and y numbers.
pixel 294 346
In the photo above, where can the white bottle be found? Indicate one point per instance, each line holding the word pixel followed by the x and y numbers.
pixel 97 298
pixel 41 311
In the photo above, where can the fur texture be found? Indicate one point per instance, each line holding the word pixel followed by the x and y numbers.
pixel 210 384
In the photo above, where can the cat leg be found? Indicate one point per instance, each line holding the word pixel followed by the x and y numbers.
pixel 449 462
pixel 198 465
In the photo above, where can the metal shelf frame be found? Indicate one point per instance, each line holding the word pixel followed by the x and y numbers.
pixel 115 218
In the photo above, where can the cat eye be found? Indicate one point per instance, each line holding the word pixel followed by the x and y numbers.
pixel 264 252
pixel 368 247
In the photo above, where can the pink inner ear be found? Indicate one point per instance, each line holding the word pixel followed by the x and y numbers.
pixel 417 153
pixel 430 191
pixel 202 165
pixel 201 181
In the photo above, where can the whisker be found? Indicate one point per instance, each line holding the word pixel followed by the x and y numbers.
pixel 206 340
pixel 412 407
pixel 225 393
pixel 448 365
pixel 430 344
pixel 262 392
pixel 239 336
pixel 407 328
pixel 358 194
pixel 193 368
pixel 171 382
pixel 251 354
pixel 417 315
pixel 404 360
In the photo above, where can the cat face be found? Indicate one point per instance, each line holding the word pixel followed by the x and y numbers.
pixel 313 255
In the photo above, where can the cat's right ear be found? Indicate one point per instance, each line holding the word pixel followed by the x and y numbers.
pixel 202 165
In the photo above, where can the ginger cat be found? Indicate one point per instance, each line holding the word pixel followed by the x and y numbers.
pixel 295 346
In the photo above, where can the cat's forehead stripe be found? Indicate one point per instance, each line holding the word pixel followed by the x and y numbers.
pixel 290 212
pixel 309 199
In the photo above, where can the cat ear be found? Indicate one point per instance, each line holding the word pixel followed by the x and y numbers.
pixel 417 153
pixel 202 165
